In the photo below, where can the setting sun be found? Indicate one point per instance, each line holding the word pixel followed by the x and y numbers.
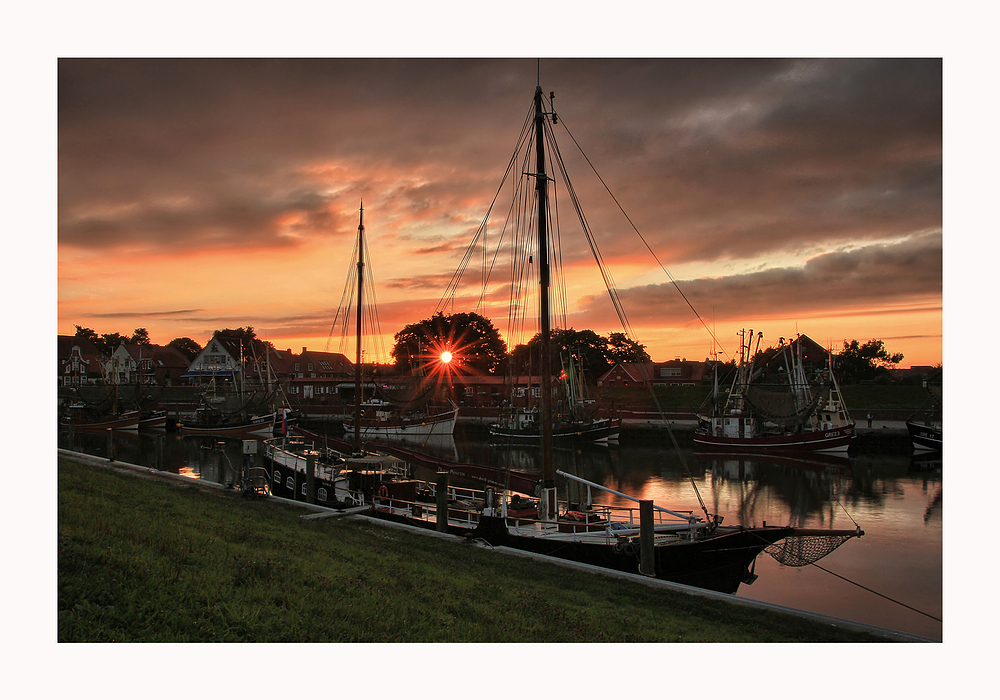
pixel 446 357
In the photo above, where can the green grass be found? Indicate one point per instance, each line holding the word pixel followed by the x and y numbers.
pixel 150 560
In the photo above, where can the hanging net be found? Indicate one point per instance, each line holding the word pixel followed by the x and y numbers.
pixel 779 408
pixel 802 551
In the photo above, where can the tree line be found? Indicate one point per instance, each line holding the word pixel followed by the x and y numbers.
pixel 476 347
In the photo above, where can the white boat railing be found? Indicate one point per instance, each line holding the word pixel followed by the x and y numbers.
pixel 687 516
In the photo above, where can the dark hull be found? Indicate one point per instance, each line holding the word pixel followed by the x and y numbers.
pixel 263 426
pixel 438 424
pixel 835 440
pixel 285 482
pixel 720 563
pixel 924 437
pixel 126 421
pixel 155 422
pixel 582 432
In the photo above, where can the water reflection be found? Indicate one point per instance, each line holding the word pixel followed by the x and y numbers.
pixel 895 498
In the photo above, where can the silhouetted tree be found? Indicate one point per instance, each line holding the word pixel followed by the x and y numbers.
pixel 621 348
pixel 140 336
pixel 86 334
pixel 870 361
pixel 470 337
pixel 186 347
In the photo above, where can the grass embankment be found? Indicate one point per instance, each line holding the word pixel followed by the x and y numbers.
pixel 147 560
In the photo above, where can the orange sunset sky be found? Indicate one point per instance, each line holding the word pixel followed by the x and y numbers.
pixel 782 195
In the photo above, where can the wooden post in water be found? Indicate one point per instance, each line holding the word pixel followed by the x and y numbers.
pixel 647 556
pixel 442 502
pixel 111 446
pixel 311 479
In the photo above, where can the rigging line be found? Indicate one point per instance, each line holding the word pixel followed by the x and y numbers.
pixel 871 590
pixel 344 296
pixel 452 287
pixel 517 190
pixel 881 595
pixel 557 256
pixel 641 238
pixel 594 248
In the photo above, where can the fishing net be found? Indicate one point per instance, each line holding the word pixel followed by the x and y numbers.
pixel 779 408
pixel 802 551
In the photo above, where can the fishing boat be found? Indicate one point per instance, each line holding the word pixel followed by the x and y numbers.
pixel 80 417
pixel 796 416
pixel 379 419
pixel 925 434
pixel 154 421
pixel 575 418
pixel 926 428
pixel 670 544
pixel 207 421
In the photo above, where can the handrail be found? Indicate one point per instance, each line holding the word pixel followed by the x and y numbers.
pixel 690 517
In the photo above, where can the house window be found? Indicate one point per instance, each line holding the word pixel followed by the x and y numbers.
pixel 297 367
pixel 670 371
pixel 311 368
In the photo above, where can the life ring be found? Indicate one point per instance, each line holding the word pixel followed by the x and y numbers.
pixel 383 492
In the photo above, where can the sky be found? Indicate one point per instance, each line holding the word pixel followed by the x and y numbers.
pixel 787 196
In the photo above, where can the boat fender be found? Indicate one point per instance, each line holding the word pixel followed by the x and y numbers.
pixel 383 492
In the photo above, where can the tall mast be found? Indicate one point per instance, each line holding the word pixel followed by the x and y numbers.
pixel 548 504
pixel 357 363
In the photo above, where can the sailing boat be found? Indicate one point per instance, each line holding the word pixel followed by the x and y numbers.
pixel 799 417
pixel 575 419
pixel 674 545
pixel 333 472
pixel 377 418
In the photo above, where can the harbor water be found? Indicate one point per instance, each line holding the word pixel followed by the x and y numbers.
pixel 891 577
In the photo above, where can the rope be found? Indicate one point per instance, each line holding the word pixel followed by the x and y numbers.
pixel 644 242
pixel 785 555
pixel 881 595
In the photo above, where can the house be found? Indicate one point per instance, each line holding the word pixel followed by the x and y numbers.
pixel 145 364
pixel 318 375
pixel 676 372
pixel 79 361
pixel 232 360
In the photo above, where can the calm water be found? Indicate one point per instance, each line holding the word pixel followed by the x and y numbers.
pixel 896 499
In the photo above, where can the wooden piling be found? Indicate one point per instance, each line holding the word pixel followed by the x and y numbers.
pixel 111 445
pixel 442 502
pixel 647 556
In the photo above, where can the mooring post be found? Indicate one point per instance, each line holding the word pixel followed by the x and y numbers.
pixel 311 479
pixel 647 563
pixel 442 501
pixel 111 446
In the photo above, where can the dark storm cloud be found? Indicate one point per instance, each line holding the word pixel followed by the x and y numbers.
pixel 905 273
pixel 712 159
